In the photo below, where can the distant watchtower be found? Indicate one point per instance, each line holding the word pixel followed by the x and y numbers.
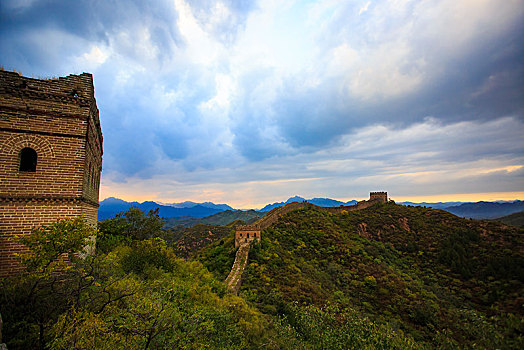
pixel 246 234
pixel 50 155
pixel 378 196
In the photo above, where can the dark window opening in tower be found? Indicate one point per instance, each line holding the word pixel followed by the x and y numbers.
pixel 28 159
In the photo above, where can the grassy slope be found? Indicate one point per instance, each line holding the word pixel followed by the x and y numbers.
pixel 516 219
pixel 436 276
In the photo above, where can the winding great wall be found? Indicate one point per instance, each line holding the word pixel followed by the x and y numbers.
pixel 245 234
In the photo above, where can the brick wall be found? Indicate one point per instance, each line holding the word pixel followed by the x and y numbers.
pixel 20 217
pixel 57 118
pixel 59 169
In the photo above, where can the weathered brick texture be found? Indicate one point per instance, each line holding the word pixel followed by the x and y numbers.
pixel 57 118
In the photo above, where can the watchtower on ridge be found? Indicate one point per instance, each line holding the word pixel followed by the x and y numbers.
pixel 50 156
pixel 378 196
pixel 246 234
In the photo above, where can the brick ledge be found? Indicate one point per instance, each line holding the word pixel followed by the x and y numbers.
pixel 47 199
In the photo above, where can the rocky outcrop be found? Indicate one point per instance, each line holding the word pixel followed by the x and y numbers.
pixel 403 222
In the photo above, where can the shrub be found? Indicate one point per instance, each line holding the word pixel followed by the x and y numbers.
pixel 151 252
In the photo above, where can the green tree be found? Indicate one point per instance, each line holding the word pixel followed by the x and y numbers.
pixel 33 300
pixel 134 224
pixel 52 247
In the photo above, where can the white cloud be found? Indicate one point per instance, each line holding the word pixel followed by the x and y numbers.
pixel 388 71
pixel 90 61
pixel 364 8
pixel 224 87
pixel 457 26
pixel 342 60
pixel 200 47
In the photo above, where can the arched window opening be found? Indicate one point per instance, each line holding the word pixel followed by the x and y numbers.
pixel 28 159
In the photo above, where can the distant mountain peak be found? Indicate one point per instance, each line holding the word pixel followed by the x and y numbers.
pixel 190 204
pixel 295 199
pixel 113 199
pixel 321 202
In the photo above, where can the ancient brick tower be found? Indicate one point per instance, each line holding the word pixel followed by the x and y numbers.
pixel 50 155
pixel 378 196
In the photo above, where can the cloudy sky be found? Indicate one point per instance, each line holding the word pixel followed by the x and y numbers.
pixel 249 102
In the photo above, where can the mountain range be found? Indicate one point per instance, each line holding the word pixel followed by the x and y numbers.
pixel 223 218
pixel 321 202
pixel 479 210
pixel 486 210
pixel 111 206
pixel 189 204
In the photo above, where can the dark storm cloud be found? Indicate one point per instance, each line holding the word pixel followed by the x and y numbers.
pixel 93 21
pixel 140 39
pixel 145 135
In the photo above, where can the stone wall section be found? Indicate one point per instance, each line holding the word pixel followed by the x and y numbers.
pixel 59 119
pixel 93 163
pixel 246 234
pixel 19 217
pixel 234 279
pixel 380 196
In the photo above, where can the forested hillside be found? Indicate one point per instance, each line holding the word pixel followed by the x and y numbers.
pixel 441 279
pixel 223 218
pixel 516 219
pixel 387 277
pixel 135 293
